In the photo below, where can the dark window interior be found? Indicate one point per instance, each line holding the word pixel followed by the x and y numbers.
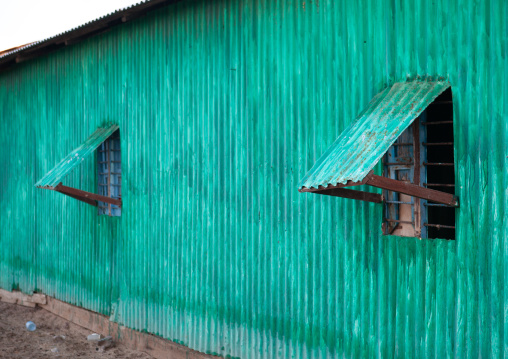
pixel 440 171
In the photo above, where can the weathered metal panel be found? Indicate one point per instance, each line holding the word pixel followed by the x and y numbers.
pixel 76 157
pixel 39 48
pixel 360 147
pixel 223 106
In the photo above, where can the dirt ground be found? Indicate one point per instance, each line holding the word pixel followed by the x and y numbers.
pixel 17 342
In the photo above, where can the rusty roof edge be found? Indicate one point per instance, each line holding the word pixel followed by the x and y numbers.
pixel 80 33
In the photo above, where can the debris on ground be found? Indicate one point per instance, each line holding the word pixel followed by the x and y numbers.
pixel 55 337
pixel 93 337
pixel 30 326
pixel 105 343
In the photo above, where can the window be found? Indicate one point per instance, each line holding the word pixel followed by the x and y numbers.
pixel 422 155
pixel 109 167
pixel 108 199
pixel 409 127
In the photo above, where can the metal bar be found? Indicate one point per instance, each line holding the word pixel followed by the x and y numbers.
pixel 397 221
pixel 436 205
pixel 398 202
pixel 438 226
pixel 398 163
pixel 87 195
pixel 437 123
pixel 438 143
pixel 82 199
pixel 353 194
pixel 439 184
pixel 413 190
pixel 402 144
pixel 437 164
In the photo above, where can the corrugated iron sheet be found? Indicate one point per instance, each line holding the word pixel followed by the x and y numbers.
pixel 76 157
pixel 360 147
pixel 223 106
pixel 79 33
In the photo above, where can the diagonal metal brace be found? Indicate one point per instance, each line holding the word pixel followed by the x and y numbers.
pixel 87 197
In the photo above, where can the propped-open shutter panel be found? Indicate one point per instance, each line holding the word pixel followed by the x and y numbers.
pixel 352 157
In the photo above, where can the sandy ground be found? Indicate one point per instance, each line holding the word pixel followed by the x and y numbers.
pixel 17 342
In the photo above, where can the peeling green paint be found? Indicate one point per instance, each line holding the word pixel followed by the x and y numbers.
pixel 223 106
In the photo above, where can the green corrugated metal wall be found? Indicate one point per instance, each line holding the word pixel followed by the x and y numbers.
pixel 223 106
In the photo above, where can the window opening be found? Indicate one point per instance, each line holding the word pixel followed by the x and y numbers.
pixel 422 155
pixel 440 166
pixel 110 174
pixel 110 178
pixel 409 126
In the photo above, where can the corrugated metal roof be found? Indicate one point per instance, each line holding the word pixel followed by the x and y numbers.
pixel 360 147
pixel 12 49
pixel 79 33
pixel 55 176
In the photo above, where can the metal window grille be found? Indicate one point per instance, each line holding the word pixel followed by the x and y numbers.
pixel 422 155
pixel 110 174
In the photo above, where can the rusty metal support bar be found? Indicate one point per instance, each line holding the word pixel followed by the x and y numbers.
pixel 413 190
pixel 86 196
pixel 82 199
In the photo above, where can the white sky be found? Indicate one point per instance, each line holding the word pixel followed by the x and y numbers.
pixel 24 21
